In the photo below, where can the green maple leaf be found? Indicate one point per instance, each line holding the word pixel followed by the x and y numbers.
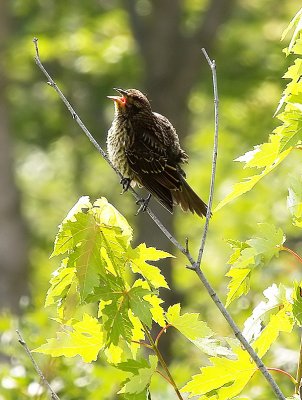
pixel 268 242
pixel 294 200
pixel 188 324
pixel 96 238
pixel 138 258
pixel 144 395
pixel 85 339
pixel 118 302
pixel 239 284
pixel 196 331
pixel 113 292
pixel 60 283
pixel 140 379
pixel 282 321
pixel 133 366
pixel 140 307
pixel 64 240
pixel 291 129
pixel 296 21
pixel 267 156
pixel 254 253
pixel 276 298
pixel 214 347
pixel 226 378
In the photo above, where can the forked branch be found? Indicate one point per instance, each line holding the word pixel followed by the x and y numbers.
pixel 194 264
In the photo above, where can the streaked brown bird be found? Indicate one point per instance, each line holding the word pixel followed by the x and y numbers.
pixel 144 146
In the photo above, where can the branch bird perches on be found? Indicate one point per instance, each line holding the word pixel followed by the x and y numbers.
pixel 194 264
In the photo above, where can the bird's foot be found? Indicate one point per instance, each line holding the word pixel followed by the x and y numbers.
pixel 125 182
pixel 143 204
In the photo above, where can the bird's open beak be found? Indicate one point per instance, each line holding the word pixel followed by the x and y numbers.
pixel 120 100
pixel 121 91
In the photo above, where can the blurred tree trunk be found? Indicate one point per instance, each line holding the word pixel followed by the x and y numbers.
pixel 173 62
pixel 13 249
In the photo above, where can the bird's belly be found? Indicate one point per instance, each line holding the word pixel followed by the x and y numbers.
pixel 116 146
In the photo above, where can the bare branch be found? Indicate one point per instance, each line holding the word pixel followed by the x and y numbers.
pixel 214 157
pixel 194 265
pixel 54 396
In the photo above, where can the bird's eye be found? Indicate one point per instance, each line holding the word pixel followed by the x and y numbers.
pixel 123 100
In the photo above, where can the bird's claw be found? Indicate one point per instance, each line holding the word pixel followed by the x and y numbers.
pixel 143 204
pixel 125 182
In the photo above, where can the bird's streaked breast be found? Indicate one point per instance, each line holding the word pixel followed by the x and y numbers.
pixel 118 140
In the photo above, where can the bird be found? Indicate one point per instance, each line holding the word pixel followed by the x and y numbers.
pixel 144 146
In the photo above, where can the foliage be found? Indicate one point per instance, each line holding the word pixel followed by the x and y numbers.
pixel 99 268
pixel 254 253
pixel 286 137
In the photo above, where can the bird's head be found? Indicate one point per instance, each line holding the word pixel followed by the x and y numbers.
pixel 130 102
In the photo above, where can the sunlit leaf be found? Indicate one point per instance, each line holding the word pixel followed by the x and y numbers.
pixel 276 298
pixel 188 324
pixel 138 258
pixel 141 377
pixel 226 378
pixel 248 183
pixel 294 200
pixel 140 307
pixel 239 284
pixel 85 339
pixel 297 305
pixel 254 253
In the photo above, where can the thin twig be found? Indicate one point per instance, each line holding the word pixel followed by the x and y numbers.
pixel 164 329
pixel 148 346
pixel 162 362
pixel 164 376
pixel 212 65
pixel 54 396
pixel 292 252
pixel 195 265
pixel 281 371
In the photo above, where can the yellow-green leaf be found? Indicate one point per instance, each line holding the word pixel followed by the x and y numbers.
pixel 188 324
pixel 239 283
pixel 248 183
pixel 85 339
pixel 141 379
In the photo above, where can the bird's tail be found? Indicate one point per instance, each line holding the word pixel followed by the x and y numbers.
pixel 189 200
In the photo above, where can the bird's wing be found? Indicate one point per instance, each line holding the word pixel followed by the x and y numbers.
pixel 148 159
pixel 150 162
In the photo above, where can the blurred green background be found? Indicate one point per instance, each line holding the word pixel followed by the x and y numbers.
pixel 47 163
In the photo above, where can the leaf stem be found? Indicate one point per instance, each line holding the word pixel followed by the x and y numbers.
pixel 292 252
pixel 162 361
pixel 142 344
pixel 299 370
pixel 281 371
pixel 164 376
pixel 212 65
pixel 161 332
